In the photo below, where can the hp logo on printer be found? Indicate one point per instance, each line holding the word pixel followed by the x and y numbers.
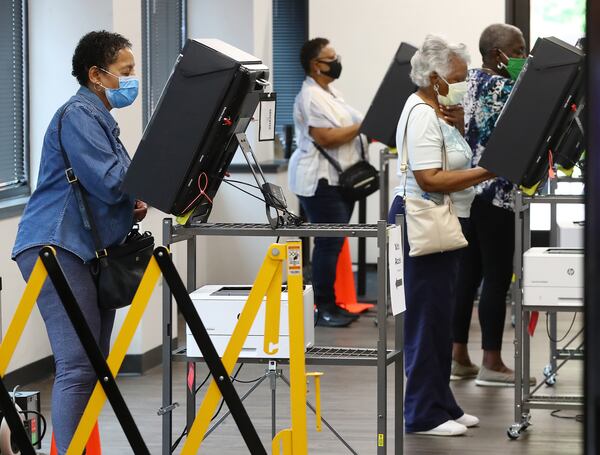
pixel 570 271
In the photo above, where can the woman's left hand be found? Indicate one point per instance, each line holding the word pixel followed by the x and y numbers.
pixel 455 116
pixel 140 210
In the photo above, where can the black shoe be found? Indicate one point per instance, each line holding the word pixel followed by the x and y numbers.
pixel 330 319
pixel 346 313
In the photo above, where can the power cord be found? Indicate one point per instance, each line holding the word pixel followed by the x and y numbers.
pixel 42 419
pixel 576 418
pixel 229 182
pixel 565 335
pixel 233 379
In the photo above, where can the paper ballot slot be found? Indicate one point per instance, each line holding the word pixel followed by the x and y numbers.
pixel 219 308
pixel 553 277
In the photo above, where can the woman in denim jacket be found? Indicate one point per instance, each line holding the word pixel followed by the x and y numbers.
pixel 104 67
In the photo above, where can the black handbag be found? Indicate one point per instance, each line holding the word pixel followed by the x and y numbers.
pixel 359 180
pixel 117 269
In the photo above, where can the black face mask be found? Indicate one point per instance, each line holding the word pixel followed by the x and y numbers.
pixel 335 69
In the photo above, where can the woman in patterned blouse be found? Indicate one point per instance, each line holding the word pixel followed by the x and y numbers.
pixel 491 228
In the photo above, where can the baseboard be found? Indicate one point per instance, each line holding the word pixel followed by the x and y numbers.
pixel 137 364
pixel 34 372
pixel 133 364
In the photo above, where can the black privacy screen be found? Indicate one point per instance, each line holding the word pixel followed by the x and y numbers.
pixel 537 114
pixel 212 93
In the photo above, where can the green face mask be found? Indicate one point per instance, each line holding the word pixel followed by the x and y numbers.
pixel 514 66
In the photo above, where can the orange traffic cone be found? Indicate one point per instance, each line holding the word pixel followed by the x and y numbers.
pixel 345 292
pixel 91 448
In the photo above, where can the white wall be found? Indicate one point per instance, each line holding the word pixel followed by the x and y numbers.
pixel 245 24
pixel 55 27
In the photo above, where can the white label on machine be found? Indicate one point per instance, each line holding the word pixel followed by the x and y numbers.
pixel 396 266
pixel 266 125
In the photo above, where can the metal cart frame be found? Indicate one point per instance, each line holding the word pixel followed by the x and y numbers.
pixel 525 398
pixel 381 357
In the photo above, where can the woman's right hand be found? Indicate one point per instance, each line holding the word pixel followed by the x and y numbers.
pixel 486 174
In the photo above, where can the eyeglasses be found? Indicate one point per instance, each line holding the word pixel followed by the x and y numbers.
pixel 338 58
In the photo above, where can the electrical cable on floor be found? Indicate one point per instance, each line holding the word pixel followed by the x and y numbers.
pixel 184 432
pixel 576 418
pixel 565 335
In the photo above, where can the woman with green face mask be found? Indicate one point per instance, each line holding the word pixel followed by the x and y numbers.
pixel 488 258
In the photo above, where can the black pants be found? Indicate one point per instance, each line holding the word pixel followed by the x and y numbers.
pixel 326 206
pixel 489 256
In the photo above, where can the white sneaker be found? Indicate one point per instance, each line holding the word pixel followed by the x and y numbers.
pixel 448 428
pixel 468 420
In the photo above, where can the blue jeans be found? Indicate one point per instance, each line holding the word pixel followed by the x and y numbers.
pixel 75 377
pixel 326 206
pixel 430 289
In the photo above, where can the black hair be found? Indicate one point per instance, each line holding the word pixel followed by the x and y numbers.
pixel 96 49
pixel 311 50
pixel 496 36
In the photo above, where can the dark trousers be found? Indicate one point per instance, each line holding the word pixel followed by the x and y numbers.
pixel 326 206
pixel 430 291
pixel 489 256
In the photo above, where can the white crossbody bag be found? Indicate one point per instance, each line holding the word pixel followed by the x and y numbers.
pixel 431 228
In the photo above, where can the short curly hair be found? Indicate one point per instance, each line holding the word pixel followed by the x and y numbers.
pixel 311 50
pixel 96 49
pixel 435 55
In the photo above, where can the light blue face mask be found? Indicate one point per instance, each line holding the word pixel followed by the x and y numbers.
pixel 127 92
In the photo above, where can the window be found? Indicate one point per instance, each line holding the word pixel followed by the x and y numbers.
pixel 290 31
pixel 564 19
pixel 164 32
pixel 13 102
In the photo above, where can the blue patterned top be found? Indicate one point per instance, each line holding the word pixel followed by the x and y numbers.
pixel 483 103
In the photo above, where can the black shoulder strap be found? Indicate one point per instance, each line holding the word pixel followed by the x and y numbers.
pixel 333 161
pixel 84 207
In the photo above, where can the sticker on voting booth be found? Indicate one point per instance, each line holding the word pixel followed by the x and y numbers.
pixel 396 267
pixel 266 117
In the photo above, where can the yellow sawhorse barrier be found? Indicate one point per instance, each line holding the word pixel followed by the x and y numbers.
pixel 268 283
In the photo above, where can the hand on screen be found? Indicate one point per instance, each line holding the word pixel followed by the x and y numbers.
pixel 140 210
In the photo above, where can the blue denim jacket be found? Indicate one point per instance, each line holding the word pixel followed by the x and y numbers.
pixel 90 137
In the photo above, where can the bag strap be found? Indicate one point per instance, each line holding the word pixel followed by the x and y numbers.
pixel 335 163
pixel 404 162
pixel 84 207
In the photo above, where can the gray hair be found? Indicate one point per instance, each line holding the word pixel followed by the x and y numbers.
pixel 434 56
pixel 497 36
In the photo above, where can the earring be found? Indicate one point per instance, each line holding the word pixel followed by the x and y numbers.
pixel 97 87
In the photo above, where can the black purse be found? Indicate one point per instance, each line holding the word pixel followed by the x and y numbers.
pixel 118 269
pixel 359 180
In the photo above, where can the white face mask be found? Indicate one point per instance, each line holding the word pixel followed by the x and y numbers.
pixel 456 93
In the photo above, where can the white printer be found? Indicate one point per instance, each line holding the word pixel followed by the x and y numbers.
pixel 553 276
pixel 219 307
